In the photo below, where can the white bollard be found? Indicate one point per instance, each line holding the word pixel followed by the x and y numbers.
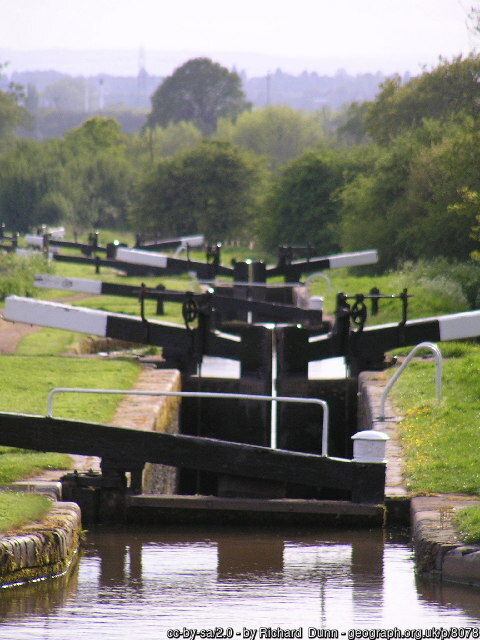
pixel 369 446
pixel 315 302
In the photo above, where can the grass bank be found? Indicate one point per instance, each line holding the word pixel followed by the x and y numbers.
pixel 468 525
pixel 441 441
pixel 30 378
pixel 17 273
pixel 435 289
pixel 18 508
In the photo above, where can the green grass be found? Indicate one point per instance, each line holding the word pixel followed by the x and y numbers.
pixel 467 522
pixel 428 298
pixel 47 342
pixel 72 270
pixel 18 508
pixel 16 273
pixel 18 464
pixel 441 442
pixel 29 380
pixel 131 306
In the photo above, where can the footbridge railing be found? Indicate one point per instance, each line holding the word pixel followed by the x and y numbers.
pixel 204 394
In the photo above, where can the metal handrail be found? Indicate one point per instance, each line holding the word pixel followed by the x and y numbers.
pixel 438 372
pixel 318 274
pixel 203 394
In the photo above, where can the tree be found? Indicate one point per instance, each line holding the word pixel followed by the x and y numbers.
pixel 66 94
pixel 85 179
pixel 100 189
pixel 211 190
pixel 441 177
pixel 351 127
pixel 99 171
pixel 473 20
pixel 29 172
pixel 96 134
pixel 301 206
pixel 371 206
pixel 411 203
pixel 159 203
pixel 469 205
pixel 164 142
pixel 277 132
pixel 449 90
pixel 200 91
pixel 12 115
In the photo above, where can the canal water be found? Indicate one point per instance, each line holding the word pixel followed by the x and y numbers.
pixel 247 584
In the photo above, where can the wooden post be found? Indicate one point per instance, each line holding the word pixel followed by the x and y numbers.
pixel 368 482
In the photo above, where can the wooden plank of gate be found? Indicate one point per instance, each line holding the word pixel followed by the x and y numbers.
pixel 287 505
pixel 132 446
pixel 216 510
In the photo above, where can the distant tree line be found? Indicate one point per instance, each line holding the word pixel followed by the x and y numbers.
pixel 399 173
pixel 59 102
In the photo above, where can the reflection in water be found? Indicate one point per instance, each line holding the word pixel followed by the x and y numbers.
pixel 138 584
pixel 448 596
pixel 239 559
pixel 38 598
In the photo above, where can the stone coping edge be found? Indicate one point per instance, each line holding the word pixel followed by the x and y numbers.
pixel 49 489
pixel 41 550
pixel 440 555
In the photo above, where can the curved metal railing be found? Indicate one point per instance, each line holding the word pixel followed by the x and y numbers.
pixel 438 373
pixel 317 274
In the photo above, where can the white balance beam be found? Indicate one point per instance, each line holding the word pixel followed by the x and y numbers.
pixel 55 315
pixel 192 241
pixel 79 285
pixel 459 325
pixel 33 241
pixel 146 258
pixel 357 258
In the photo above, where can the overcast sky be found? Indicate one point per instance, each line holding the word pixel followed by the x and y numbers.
pixel 359 35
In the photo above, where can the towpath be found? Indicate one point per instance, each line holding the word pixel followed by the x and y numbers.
pixel 11 333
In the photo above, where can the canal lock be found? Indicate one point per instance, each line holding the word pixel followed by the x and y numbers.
pixel 274 361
